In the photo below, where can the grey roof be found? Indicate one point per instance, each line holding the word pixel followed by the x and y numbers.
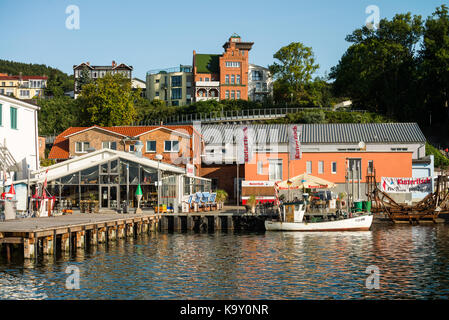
pixel 322 133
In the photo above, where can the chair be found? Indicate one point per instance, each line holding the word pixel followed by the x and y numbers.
pixel 197 202
pixel 212 202
pixel 205 201
pixel 188 204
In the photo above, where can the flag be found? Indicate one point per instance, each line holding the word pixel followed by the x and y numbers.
pixel 244 144
pixel 294 142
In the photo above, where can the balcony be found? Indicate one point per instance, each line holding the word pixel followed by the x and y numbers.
pixel 207 98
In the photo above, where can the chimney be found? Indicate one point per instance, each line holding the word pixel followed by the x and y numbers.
pixel 88 63
pixel 113 63
pixel 20 75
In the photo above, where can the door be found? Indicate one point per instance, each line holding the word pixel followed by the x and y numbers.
pixel 109 196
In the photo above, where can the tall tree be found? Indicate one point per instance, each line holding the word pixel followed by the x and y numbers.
pixel 435 62
pixel 293 71
pixel 57 114
pixel 379 70
pixel 83 79
pixel 109 101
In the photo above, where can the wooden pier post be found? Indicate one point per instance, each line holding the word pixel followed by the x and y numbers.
pixel 29 246
pixel 145 226
pixel 65 242
pixel 164 223
pixel 101 235
pixel 48 245
pixel 230 223
pixel 177 224
pixel 139 227
pixel 80 239
pixel 112 233
pixel 121 231
pixel 190 223
pixel 217 223
pixel 130 230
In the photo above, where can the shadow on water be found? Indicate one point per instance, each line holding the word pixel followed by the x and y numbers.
pixel 412 262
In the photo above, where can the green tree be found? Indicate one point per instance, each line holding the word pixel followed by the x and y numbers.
pixel 83 79
pixel 108 102
pixel 294 70
pixel 435 63
pixel 379 70
pixel 57 114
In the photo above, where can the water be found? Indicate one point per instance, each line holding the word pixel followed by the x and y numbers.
pixel 413 263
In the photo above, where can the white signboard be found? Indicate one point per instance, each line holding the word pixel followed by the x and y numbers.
pixel 406 185
pixel 294 142
pixel 190 170
pixel 257 183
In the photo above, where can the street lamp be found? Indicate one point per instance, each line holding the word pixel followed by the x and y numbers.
pixel 158 157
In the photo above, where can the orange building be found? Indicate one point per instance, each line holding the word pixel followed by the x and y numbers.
pixel 225 76
pixel 328 151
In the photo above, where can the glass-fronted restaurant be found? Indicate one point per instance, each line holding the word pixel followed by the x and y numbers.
pixel 114 180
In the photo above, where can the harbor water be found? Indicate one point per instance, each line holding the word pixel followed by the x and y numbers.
pixel 412 263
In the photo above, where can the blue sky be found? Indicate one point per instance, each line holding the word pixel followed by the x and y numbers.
pixel 158 34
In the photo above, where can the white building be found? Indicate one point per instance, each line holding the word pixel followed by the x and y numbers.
pixel 19 144
pixel 260 83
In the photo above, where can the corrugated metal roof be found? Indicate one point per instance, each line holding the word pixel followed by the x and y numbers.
pixel 322 133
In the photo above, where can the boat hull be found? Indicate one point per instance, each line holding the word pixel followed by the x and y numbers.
pixel 360 223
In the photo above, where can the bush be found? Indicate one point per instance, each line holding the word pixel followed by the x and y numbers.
pixel 440 161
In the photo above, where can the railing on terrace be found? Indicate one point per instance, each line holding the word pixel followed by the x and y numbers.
pixel 180 68
pixel 231 116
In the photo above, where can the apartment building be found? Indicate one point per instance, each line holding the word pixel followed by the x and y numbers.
pixel 22 87
pixel 96 72
pixel 260 83
pixel 171 85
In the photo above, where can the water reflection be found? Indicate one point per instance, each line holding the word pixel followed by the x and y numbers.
pixel 413 263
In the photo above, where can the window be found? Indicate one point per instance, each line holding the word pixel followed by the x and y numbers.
pixel 238 79
pixel 233 79
pixel 355 165
pixel 131 148
pixel 238 94
pixel 334 167
pixel 275 169
pixel 176 81
pixel 370 166
pixel 24 93
pixel 157 93
pixel 175 103
pixel 259 167
pixel 320 167
pixel 227 79
pixel 227 94
pixel 13 118
pixel 257 75
pixel 151 146
pixel 110 145
pixel 206 79
pixel 399 149
pixel 265 87
pixel 233 94
pixel 242 52
pixel 176 93
pixel 232 64
pixel 81 147
pixel 258 86
pixel 171 146
pixel 157 80
pixel 309 167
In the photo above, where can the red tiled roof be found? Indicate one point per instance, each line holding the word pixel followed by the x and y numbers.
pixel 60 149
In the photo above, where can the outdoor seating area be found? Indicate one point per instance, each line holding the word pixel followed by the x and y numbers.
pixel 200 202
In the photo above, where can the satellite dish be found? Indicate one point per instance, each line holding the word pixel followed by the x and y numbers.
pixel 362 145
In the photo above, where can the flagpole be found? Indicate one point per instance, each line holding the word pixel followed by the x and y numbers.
pixel 238 185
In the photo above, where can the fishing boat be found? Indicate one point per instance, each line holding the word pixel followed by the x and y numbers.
pixel 293 220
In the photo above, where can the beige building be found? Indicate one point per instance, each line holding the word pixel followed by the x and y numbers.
pixel 22 87
pixel 173 85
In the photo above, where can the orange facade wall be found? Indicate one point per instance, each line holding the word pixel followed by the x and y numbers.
pixel 386 164
pixel 233 54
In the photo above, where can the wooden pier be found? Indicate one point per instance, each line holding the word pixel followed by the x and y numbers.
pixel 75 231
pixel 72 231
